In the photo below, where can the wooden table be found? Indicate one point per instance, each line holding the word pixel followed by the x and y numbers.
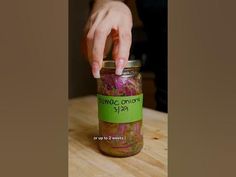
pixel 85 160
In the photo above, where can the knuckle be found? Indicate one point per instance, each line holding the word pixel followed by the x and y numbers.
pixel 96 52
pixel 93 16
pixel 126 36
pixel 99 32
pixel 89 36
pixel 109 12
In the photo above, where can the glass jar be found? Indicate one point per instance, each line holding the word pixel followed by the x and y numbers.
pixel 120 102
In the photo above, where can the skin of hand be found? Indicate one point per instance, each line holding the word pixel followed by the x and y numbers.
pixel 110 21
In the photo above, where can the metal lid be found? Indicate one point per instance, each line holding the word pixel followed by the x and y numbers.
pixel 130 64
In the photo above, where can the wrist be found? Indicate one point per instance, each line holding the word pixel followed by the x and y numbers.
pixel 96 4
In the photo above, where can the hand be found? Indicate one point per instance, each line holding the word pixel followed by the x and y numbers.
pixel 109 19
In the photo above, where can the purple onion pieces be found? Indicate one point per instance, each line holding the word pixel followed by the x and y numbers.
pixel 131 142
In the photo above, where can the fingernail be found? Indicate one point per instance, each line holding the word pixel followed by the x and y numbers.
pixel 95 70
pixel 119 66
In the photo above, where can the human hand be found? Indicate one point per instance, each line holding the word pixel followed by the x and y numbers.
pixel 108 19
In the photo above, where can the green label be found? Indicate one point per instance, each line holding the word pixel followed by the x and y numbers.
pixel 120 109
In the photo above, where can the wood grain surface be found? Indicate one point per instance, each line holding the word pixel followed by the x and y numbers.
pixel 85 160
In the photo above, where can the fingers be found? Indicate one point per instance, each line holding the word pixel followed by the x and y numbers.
pixel 96 45
pixel 92 25
pixel 96 40
pixel 100 36
pixel 115 16
pixel 121 49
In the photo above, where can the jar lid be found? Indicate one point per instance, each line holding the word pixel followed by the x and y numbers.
pixel 130 64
